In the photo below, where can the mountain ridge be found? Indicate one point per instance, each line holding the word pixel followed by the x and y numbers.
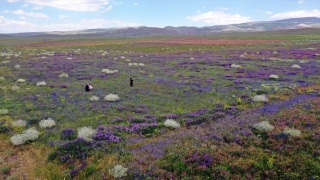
pixel 141 31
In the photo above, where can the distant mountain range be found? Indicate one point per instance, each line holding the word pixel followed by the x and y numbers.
pixel 142 31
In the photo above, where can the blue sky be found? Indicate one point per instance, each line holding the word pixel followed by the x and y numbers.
pixel 65 15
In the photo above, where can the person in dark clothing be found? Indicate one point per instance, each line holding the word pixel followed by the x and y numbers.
pixel 131 82
pixel 88 87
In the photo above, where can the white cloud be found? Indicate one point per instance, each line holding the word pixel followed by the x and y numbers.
pixel 300 2
pixel 116 3
pixel 25 5
pixel 29 14
pixel 297 14
pixel 6 11
pixel 23 18
pixel 266 12
pixel 74 5
pixel 37 7
pixel 63 16
pixel 13 26
pixel 219 18
pixel 198 11
pixel 107 9
pixel 136 4
pixel 222 8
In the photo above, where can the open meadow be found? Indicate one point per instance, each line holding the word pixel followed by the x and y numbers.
pixel 233 107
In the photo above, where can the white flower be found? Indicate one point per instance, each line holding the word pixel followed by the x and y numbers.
pixel 191 58
pixel 63 75
pixel 135 64
pixel 21 80
pixel 47 123
pixel 94 98
pixel 122 57
pixel 141 64
pixel 42 83
pixel 118 171
pixel 5 62
pixel 112 97
pixel 171 123
pixel 15 88
pixel 235 66
pixel 241 56
pixel 296 66
pixel 274 52
pixel 4 111
pixel 273 76
pixel 263 126
pixel 260 98
pixel 20 123
pixel 86 133
pixel 292 132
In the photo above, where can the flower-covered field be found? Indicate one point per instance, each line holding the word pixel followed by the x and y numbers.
pixel 197 109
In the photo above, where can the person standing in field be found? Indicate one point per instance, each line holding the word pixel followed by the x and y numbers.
pixel 131 82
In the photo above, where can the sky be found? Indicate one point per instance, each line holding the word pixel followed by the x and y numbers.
pixel 68 15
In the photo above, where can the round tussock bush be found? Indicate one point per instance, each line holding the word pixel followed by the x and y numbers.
pixel 303 61
pixel 292 132
pixel 171 123
pixel 112 97
pixel 17 66
pixel 63 75
pixel 141 64
pixel 21 80
pixel 18 139
pixel 86 133
pixel 296 66
pixel 2 78
pixel 263 126
pixel 108 71
pixel 260 98
pixel 94 98
pixel 235 66
pixel 273 76
pixel 30 134
pixel 47 123
pixel 15 88
pixel 118 171
pixel 19 123
pixel 41 83
pixel 4 111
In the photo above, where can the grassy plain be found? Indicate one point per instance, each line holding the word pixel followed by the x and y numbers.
pixel 205 83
